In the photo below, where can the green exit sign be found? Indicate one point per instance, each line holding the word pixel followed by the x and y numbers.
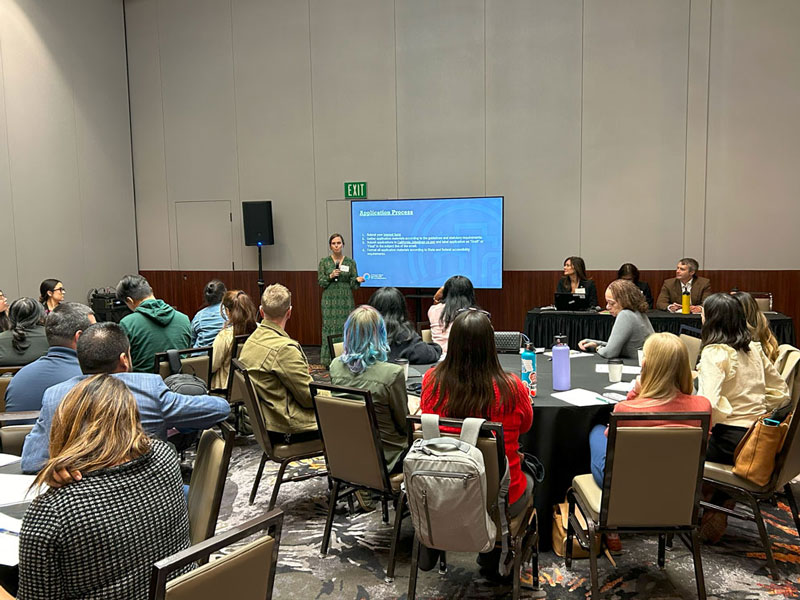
pixel 355 189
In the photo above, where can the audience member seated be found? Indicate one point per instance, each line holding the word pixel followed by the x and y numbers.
pixel 363 365
pixel 758 325
pixel 63 327
pixel 5 322
pixel 630 272
pixel 154 325
pixel 242 314
pixel 457 293
pixel 686 279
pixel 404 341
pixel 735 375
pixel 470 382
pixel 208 321
pixel 665 385
pixel 99 536
pixel 575 280
pixel 26 340
pixel 51 294
pixel 104 348
pixel 278 369
pixel 631 326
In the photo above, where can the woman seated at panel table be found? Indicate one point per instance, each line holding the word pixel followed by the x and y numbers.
pixel 456 294
pixel 470 382
pixel 26 340
pixel 100 535
pixel 363 365
pixel 758 324
pixel 404 341
pixel 630 272
pixel 631 327
pixel 575 280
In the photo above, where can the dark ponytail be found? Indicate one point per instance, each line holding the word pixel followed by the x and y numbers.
pixel 25 314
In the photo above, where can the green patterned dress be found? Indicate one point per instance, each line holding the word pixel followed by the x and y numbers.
pixel 337 300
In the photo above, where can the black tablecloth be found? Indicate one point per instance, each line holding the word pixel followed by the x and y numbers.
pixel 541 326
pixel 559 436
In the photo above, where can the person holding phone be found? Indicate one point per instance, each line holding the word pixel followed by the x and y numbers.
pixel 337 275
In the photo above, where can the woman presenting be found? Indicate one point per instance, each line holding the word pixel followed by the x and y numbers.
pixel 337 275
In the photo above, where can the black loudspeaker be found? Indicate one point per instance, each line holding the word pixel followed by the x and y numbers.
pixel 257 219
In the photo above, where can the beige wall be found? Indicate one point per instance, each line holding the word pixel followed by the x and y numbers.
pixel 621 130
pixel 66 190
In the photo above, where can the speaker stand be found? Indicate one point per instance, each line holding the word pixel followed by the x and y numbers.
pixel 260 275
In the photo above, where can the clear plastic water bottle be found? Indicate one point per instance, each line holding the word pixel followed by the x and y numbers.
pixel 528 371
pixel 561 371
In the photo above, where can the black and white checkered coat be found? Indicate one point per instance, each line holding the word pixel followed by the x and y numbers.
pixel 99 537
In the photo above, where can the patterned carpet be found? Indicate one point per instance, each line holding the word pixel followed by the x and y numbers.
pixel 359 551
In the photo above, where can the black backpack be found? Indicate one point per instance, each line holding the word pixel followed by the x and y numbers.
pixel 183 383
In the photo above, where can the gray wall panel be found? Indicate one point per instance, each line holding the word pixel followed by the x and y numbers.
pixel 441 108
pixel 533 135
pixel 8 247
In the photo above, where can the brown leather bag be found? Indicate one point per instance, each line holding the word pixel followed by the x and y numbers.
pixel 560 516
pixel 754 457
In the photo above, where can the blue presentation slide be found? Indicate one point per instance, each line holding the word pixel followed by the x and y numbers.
pixel 421 243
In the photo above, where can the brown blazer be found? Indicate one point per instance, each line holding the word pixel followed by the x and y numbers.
pixel 671 292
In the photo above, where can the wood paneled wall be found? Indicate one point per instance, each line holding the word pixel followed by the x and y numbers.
pixel 521 291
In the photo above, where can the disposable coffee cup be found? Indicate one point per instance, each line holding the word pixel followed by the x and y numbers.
pixel 615 370
pixel 403 362
pixel 640 356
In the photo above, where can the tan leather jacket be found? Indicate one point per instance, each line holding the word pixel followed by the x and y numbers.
pixel 278 369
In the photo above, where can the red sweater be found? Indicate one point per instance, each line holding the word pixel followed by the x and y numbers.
pixel 514 423
pixel 680 403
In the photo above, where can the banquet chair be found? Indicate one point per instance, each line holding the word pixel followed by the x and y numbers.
pixel 426 335
pixel 788 365
pixel 690 336
pixel 247 573
pixel 424 331
pixel 195 361
pixel 335 345
pixel 208 481
pixel 235 391
pixel 645 489
pixel 523 529
pixel 283 454
pixel 12 437
pixel 763 300
pixel 787 467
pixel 354 455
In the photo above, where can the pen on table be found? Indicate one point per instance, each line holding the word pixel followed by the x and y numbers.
pixel 9 532
pixel 602 399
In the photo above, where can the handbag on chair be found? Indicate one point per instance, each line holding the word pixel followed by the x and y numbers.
pixel 754 457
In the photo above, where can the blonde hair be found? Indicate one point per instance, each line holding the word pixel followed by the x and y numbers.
pixel 665 371
pixel 276 301
pixel 758 325
pixel 95 426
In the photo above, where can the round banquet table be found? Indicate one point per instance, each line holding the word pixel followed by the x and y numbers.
pixel 559 436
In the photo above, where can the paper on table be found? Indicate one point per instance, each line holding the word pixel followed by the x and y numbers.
pixel 9 549
pixel 621 386
pixel 14 488
pixel 581 397
pixel 7 459
pixel 572 354
pixel 626 369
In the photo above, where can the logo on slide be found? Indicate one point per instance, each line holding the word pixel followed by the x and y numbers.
pixel 375 276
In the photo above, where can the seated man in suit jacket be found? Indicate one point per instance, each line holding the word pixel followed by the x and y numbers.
pixel 686 278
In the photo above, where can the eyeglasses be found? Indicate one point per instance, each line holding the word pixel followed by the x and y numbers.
pixel 61 289
pixel 473 309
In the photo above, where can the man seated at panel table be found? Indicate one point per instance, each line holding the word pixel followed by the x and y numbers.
pixel 104 348
pixel 686 279
pixel 278 369
pixel 63 326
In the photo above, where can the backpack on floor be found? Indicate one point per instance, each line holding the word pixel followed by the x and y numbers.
pixel 445 481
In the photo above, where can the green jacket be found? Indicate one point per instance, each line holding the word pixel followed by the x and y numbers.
pixel 279 372
pixel 155 327
pixel 386 382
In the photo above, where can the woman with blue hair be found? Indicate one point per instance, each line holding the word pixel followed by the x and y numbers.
pixel 363 365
